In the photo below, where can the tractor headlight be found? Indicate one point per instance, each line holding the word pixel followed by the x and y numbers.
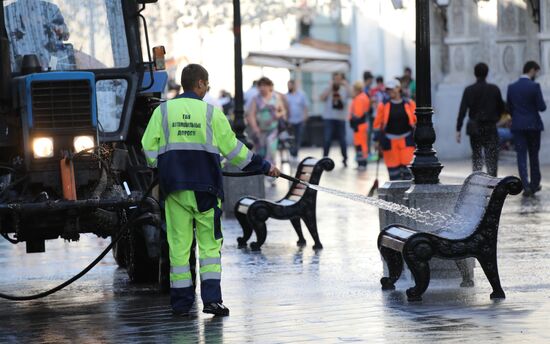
pixel 83 142
pixel 42 147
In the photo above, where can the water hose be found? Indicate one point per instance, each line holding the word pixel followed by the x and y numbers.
pixel 92 264
pixel 119 236
pixel 255 173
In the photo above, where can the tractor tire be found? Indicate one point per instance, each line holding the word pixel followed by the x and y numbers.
pixel 139 266
pixel 164 265
pixel 119 253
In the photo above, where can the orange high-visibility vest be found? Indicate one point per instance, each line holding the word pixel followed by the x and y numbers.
pixel 360 105
pixel 383 114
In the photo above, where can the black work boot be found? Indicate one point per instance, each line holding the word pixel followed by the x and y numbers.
pixel 216 308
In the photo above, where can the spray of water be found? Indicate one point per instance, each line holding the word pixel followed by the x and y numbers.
pixel 427 217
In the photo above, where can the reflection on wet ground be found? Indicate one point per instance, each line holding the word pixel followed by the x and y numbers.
pixel 287 294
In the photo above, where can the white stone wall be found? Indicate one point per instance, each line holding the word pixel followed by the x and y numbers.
pixel 501 33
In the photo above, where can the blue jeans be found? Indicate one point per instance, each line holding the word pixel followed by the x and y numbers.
pixel 527 142
pixel 298 129
pixel 334 128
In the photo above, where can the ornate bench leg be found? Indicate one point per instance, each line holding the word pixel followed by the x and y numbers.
pixel 247 229
pixel 464 269
pixel 489 265
pixel 296 223
pixel 417 257
pixel 310 220
pixel 394 260
pixel 261 233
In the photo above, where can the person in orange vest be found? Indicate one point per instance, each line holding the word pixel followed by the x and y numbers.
pixel 393 131
pixel 359 109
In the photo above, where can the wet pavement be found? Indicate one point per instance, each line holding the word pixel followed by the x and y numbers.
pixel 287 294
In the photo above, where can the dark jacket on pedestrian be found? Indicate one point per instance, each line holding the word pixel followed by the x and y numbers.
pixel 524 98
pixel 483 102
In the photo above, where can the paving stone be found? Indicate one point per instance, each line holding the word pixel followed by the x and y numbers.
pixel 287 294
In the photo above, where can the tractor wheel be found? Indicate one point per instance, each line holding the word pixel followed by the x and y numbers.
pixel 140 267
pixel 164 265
pixel 119 252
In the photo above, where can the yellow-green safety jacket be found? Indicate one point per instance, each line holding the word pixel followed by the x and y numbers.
pixel 184 139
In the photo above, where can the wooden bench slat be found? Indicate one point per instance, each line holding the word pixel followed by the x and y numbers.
pixel 247 201
pixel 310 162
pixel 305 177
pixel 392 243
pixel 286 202
pixel 400 232
pixel 298 192
pixel 243 209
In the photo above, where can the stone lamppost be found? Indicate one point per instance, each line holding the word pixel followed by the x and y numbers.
pixel 236 188
pixel 238 124
pixel 425 166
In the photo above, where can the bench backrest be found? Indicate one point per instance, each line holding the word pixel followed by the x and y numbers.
pixel 310 171
pixel 471 205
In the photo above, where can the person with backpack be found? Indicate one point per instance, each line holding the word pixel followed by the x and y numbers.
pixel 484 105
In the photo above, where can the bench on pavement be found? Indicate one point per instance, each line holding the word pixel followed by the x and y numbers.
pixel 298 204
pixel 479 206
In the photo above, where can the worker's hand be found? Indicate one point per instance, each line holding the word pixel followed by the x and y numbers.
pixel 377 146
pixel 458 137
pixel 274 171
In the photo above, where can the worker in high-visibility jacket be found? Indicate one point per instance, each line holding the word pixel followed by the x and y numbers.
pixel 360 106
pixel 393 131
pixel 185 139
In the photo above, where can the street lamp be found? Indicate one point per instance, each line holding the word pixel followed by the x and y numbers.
pixel 238 122
pixel 425 166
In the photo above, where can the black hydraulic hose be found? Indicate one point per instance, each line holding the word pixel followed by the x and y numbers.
pixel 119 236
pixel 91 265
pixel 255 173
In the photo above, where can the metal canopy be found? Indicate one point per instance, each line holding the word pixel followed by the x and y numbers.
pixel 300 57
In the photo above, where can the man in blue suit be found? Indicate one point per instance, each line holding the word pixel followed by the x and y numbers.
pixel 525 101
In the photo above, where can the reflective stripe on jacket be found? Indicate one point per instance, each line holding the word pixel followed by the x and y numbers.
pixel 383 115
pixel 184 139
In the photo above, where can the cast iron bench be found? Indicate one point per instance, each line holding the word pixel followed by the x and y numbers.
pixel 480 202
pixel 299 203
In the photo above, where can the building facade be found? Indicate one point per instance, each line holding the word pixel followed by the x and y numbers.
pixel 502 33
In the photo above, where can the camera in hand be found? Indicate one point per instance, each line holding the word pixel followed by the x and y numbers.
pixel 337 102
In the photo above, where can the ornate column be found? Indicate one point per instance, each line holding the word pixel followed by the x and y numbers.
pixel 544 39
pixel 462 40
pixel 425 166
pixel 516 39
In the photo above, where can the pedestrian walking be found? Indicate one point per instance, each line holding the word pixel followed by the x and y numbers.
pixel 408 84
pixel 298 106
pixel 250 94
pixel 525 101
pixel 393 131
pixel 335 114
pixel 266 111
pixel 378 93
pixel 184 139
pixel 367 80
pixel 358 119
pixel 483 104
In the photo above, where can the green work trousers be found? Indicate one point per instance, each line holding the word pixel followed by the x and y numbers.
pixel 183 220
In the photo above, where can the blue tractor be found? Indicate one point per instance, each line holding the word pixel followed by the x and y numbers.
pixel 75 98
